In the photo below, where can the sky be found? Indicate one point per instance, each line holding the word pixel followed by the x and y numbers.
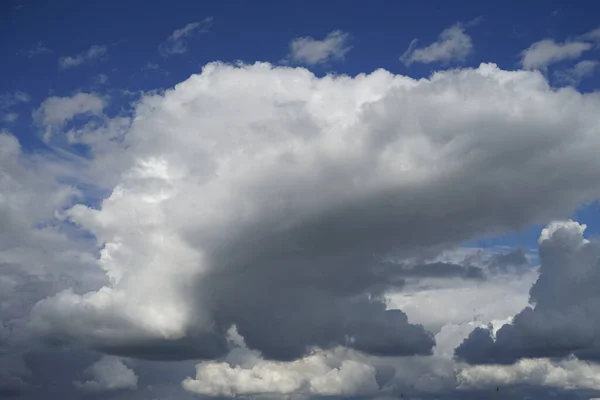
pixel 299 200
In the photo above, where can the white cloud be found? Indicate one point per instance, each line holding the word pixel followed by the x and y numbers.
pixel 58 110
pixel 578 72
pixel 453 44
pixel 566 374
pixel 55 111
pixel 546 52
pixel 245 373
pixel 108 373
pixel 308 50
pixel 241 182
pixel 176 43
pixel 93 53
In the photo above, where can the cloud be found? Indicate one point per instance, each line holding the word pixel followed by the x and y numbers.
pixel 560 320
pixel 593 35
pixel 245 373
pixel 453 44
pixel 10 117
pixel 95 52
pixel 310 51
pixel 578 72
pixel 100 79
pixel 108 373
pixel 567 374
pixel 546 52
pixel 176 43
pixel 8 100
pixel 39 49
pixel 55 111
pixel 278 218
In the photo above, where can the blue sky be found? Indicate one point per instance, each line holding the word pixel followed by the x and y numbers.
pixel 359 218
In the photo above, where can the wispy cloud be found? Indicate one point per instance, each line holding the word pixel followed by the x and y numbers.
pixel 546 52
pixel 10 117
pixel 453 44
pixel 308 50
pixel 39 49
pixel 580 71
pixel 176 43
pixel 100 79
pixel 593 35
pixel 93 53
pixel 8 100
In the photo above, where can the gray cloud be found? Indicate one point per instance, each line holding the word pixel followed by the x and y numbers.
pixel 561 319
pixel 281 231
pixel 307 219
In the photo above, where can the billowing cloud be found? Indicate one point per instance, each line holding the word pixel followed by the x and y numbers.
pixel 95 52
pixel 561 319
pixel 245 373
pixel 176 43
pixel 108 373
pixel 311 51
pixel 546 52
pixel 280 217
pixel 567 374
pixel 453 44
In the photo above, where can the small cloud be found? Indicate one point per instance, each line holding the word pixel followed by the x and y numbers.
pixel 93 53
pixel 176 43
pixel 39 49
pixel 308 50
pixel 150 67
pixel 453 44
pixel 100 79
pixel 10 117
pixel 56 111
pixel 9 100
pixel 108 374
pixel 593 35
pixel 546 52
pixel 22 97
pixel 581 70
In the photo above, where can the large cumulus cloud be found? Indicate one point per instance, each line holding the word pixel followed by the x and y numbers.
pixel 273 200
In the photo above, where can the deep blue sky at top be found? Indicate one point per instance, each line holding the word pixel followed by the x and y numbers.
pixel 260 30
